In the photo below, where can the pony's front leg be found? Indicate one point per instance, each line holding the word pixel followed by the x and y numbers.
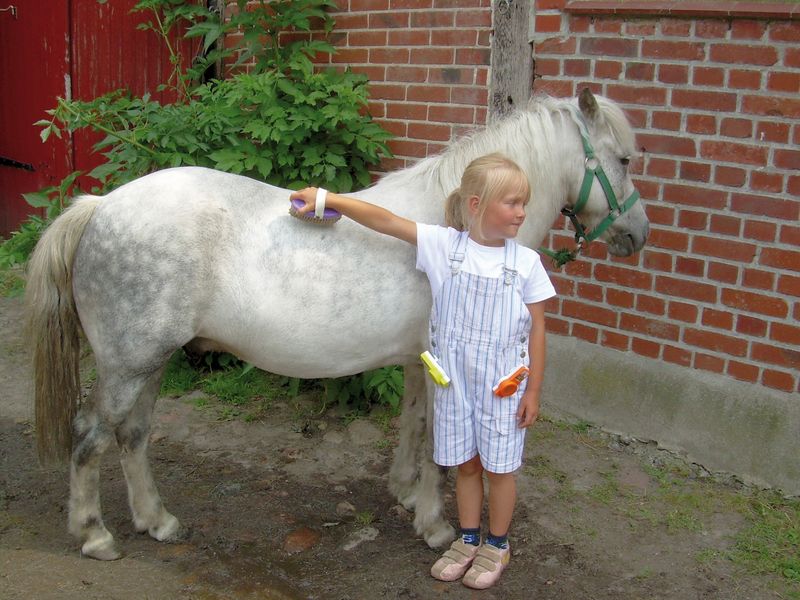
pixel 85 522
pixel 428 519
pixel 403 474
pixel 133 436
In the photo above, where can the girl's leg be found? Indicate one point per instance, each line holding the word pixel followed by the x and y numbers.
pixel 502 498
pixel 469 496
pixel 469 493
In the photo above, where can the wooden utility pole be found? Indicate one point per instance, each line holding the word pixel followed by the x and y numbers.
pixel 512 57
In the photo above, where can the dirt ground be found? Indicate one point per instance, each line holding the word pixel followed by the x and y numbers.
pixel 296 506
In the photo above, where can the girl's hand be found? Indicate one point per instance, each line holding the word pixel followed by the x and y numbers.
pixel 308 196
pixel 528 410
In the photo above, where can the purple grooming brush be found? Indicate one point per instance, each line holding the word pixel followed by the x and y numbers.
pixel 329 217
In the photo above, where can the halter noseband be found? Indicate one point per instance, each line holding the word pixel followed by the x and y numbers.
pixel 592 169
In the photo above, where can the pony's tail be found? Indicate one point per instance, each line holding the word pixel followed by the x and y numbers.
pixel 54 330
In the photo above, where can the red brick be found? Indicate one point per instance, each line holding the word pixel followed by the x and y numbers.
pixel 396 128
pixel 429 131
pixel 772 106
pixel 473 56
pixel 408 148
pixel 430 19
pixel 658 261
pixel 453 37
pixel 640 71
pixel 727 249
pixel 547 67
pixel 730 176
pixel 782 81
pixel 628 48
pixel 744 79
pixel 677 356
pixel 733 152
pixel 752 302
pixel 368 38
pixel 790 235
pixel 640 28
pixel 379 91
pixel 408 74
pixel 557 89
pixel 738 128
pixel 789 334
pixel 692 290
pixel 611 339
pixel 351 55
pixel 691 219
pixel 406 110
pixel 584 332
pixel 762 231
pixel 690 266
pixel 409 38
pixel 550 4
pixel 410 4
pixel 787 159
pixel 792 57
pixel 556 326
pixel 474 18
pixel 682 311
pixel 556 45
pixel 778 380
pixel 674 51
pixel 650 304
pixel 451 114
pixel 780 258
pixel 765 206
pixel 784 31
pixel 711 28
pixel 649 190
pixel 723 273
pixel 607 69
pixel 389 56
pixel 711 101
pixel 764 56
pixel 703 124
pixel 742 371
pixel 661 167
pixel 590 291
pixel 667 120
pixel 746 29
pixel 766 182
pixel 717 318
pixel 709 363
pixel 767 131
pixel 673 74
pixel 621 276
pixel 432 56
pixel 427 93
pixel 577 67
pixel 692 171
pixel 708 76
pixel 753 326
pixel 579 24
pixel 725 225
pixel 671 240
pixel 619 298
pixel 608 25
pixel 388 20
pixel 665 144
pixel 450 75
pixel 548 23
pixel 626 94
pixel 645 347
pixel 588 312
pixel 695 196
pixel 717 342
pixel 676 27
pixel 775 355
pixel 758 279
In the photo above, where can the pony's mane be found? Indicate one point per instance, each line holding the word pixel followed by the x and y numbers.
pixel 518 132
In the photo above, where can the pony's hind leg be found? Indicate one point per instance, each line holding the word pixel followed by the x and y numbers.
pixel 108 405
pixel 133 436
pixel 403 481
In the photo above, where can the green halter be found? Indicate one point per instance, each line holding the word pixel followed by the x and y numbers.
pixel 593 169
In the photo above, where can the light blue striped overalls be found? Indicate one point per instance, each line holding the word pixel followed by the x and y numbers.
pixel 479 332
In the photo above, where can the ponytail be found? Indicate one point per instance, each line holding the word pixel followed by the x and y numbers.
pixel 454 212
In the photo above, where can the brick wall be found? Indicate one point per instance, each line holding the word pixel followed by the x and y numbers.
pixel 713 96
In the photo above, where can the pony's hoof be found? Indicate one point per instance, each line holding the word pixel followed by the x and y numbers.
pixel 409 499
pixel 439 535
pixel 103 549
pixel 167 531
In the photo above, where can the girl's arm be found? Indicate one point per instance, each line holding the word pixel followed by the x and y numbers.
pixel 528 410
pixel 369 215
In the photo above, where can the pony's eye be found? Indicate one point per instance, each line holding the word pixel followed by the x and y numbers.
pixel 625 161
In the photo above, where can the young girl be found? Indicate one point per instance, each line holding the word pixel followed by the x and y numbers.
pixel 487 320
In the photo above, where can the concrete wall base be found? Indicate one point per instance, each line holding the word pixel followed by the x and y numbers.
pixel 719 423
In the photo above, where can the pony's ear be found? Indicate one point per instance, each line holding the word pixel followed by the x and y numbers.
pixel 588 104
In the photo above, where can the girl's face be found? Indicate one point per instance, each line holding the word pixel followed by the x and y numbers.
pixel 503 217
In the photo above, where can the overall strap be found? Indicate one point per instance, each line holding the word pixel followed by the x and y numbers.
pixel 456 257
pixel 510 268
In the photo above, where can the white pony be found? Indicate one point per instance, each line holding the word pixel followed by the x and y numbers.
pixel 195 256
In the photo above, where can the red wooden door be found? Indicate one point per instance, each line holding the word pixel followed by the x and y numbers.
pixel 34 71
pixel 66 48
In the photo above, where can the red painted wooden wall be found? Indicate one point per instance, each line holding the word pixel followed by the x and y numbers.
pixel 65 47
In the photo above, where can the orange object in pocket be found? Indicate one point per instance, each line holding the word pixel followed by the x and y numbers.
pixel 509 384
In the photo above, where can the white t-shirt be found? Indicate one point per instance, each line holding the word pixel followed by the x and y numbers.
pixel 435 244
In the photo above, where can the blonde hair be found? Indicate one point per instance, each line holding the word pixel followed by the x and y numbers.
pixel 488 178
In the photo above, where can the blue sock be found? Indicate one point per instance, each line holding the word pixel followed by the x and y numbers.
pixel 498 541
pixel 471 536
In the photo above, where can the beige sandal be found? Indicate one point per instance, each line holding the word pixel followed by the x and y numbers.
pixel 487 567
pixel 454 562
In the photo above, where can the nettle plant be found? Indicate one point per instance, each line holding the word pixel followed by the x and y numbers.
pixel 277 119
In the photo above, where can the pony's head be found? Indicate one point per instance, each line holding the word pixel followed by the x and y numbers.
pixel 604 204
